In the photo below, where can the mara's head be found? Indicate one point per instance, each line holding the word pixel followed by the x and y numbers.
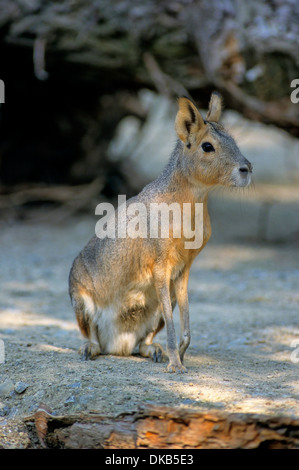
pixel 212 156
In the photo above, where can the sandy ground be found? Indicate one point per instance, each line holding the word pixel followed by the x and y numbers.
pixel 244 303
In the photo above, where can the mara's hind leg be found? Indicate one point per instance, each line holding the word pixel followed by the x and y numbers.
pixel 153 350
pixel 86 317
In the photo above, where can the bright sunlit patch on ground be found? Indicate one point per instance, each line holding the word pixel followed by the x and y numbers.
pixel 51 348
pixel 16 318
pixel 227 257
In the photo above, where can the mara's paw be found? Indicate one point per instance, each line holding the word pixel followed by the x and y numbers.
pixel 176 367
pixel 154 351
pixel 157 354
pixel 89 351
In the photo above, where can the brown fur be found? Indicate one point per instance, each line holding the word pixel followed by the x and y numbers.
pixel 124 290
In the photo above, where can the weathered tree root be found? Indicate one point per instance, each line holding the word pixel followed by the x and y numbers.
pixel 160 427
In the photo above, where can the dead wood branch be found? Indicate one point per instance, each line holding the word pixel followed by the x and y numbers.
pixel 70 198
pixel 158 427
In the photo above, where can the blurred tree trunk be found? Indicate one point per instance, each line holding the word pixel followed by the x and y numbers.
pixel 72 68
pixel 249 50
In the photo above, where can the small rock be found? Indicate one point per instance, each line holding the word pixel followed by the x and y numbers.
pixel 71 399
pixel 20 387
pixel 6 388
pixel 4 410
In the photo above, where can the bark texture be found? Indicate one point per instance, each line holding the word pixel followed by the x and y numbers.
pixel 160 427
pixel 247 49
pixel 72 69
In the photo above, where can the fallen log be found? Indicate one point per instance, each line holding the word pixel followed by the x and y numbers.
pixel 69 199
pixel 161 427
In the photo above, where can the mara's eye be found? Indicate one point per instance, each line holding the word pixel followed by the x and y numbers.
pixel 207 147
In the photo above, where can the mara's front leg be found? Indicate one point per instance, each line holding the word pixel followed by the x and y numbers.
pixel 181 292
pixel 163 293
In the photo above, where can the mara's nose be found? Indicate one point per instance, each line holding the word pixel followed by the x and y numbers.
pixel 246 168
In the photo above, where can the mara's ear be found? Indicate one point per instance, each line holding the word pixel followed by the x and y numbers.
pixel 215 107
pixel 188 121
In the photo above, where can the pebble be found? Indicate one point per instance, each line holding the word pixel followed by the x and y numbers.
pixel 20 387
pixel 71 399
pixel 4 410
pixel 6 388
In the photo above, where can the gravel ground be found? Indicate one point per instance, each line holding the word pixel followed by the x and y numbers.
pixel 244 303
